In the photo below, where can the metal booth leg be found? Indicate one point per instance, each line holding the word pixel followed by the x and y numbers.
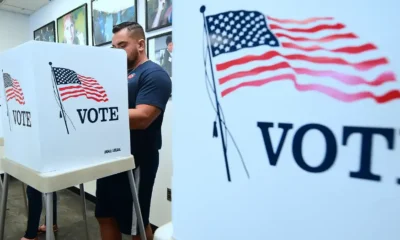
pixel 1 181
pixel 25 197
pixel 49 216
pixel 4 196
pixel 84 209
pixel 136 205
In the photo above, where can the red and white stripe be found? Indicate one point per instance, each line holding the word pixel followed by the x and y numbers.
pixel 316 54
pixel 89 88
pixel 15 92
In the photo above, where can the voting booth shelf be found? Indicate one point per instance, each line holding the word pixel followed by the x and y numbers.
pixel 65 119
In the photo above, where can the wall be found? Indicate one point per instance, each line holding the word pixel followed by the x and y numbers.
pixel 161 208
pixel 14 29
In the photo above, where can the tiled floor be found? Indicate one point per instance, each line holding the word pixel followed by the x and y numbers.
pixel 70 221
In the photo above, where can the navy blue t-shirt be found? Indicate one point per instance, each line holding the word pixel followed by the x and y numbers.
pixel 148 84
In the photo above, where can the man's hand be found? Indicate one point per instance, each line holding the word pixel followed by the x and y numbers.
pixel 142 116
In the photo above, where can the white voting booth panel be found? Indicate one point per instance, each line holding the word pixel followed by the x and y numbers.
pixel 289 125
pixel 64 110
pixel 1 134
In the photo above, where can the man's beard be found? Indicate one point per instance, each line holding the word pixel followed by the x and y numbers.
pixel 133 60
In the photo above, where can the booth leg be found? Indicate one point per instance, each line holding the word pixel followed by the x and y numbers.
pixel 84 210
pixel 44 201
pixel 136 205
pixel 49 216
pixel 3 209
pixel 25 197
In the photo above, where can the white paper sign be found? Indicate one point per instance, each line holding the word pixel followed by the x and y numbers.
pixel 286 120
pixel 65 105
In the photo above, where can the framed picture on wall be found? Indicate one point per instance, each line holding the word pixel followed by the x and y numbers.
pixel 72 27
pixel 158 14
pixel 47 33
pixel 159 50
pixel 106 14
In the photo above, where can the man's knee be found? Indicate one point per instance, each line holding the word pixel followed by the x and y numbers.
pixel 106 221
pixel 149 234
pixel 109 229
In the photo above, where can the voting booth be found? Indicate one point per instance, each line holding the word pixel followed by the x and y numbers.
pixel 286 120
pixel 64 114
pixel 65 106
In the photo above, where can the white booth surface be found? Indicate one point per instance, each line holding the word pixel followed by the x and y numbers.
pixel 64 110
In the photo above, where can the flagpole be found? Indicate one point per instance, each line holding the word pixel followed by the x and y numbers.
pixel 202 10
pixel 5 97
pixel 58 96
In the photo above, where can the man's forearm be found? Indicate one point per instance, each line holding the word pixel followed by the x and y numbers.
pixel 137 119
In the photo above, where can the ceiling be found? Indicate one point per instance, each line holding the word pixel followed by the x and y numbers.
pixel 22 6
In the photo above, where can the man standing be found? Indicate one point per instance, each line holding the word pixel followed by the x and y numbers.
pixel 149 89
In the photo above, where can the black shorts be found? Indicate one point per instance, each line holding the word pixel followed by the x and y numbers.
pixel 114 197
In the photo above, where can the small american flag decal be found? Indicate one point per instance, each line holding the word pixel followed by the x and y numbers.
pixel 13 89
pixel 73 85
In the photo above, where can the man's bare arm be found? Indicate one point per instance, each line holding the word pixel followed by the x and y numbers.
pixel 142 116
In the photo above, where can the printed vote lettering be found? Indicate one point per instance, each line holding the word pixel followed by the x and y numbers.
pixel 98 114
pixel 22 118
pixel 365 146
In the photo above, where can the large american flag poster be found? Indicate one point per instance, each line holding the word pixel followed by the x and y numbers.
pixel 314 49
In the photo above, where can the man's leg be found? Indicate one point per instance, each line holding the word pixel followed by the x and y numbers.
pixel 147 175
pixel 109 229
pixel 149 234
pixel 35 209
pixel 126 214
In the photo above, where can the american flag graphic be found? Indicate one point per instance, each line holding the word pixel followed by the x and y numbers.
pixel 13 89
pixel 318 54
pixel 73 85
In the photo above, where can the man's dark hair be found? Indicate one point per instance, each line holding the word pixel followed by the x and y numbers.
pixel 168 40
pixel 133 27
